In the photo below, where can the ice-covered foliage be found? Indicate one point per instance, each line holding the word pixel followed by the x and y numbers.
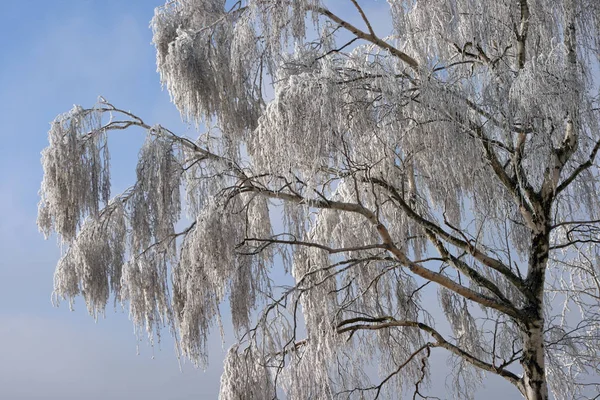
pixel 246 376
pixel 457 155
pixel 209 267
pixel 78 147
pixel 93 264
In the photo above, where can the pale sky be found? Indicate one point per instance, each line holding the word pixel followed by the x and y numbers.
pixel 55 54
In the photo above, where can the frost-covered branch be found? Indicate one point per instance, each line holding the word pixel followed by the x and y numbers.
pixel 389 245
pixel 460 243
pixel 351 325
pixel 370 37
pixel 266 242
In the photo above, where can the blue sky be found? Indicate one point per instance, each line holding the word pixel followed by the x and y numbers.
pixel 55 54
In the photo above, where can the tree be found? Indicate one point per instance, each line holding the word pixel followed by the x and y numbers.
pixel 458 155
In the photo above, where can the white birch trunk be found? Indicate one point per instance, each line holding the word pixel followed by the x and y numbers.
pixel 534 382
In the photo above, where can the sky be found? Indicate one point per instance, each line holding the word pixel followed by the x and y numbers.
pixel 55 54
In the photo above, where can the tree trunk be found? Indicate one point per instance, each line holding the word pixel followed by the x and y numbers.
pixel 534 385
pixel 534 382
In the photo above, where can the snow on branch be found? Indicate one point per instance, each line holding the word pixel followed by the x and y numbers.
pixel 76 172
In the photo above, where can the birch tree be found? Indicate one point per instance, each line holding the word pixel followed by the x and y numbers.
pixel 457 156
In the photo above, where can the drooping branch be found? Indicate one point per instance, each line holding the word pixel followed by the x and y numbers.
pixel 268 241
pixel 203 153
pixel 353 324
pixel 377 388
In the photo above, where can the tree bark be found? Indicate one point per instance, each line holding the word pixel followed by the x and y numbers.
pixel 534 382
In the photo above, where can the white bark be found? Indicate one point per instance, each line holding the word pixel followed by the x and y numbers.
pixel 534 385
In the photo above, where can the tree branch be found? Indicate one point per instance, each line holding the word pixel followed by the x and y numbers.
pixel 479 255
pixel 522 33
pixel 582 167
pixel 328 249
pixel 351 325
pixel 389 245
pixel 471 273
pixel 364 17
pixel 560 157
pixel 369 37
